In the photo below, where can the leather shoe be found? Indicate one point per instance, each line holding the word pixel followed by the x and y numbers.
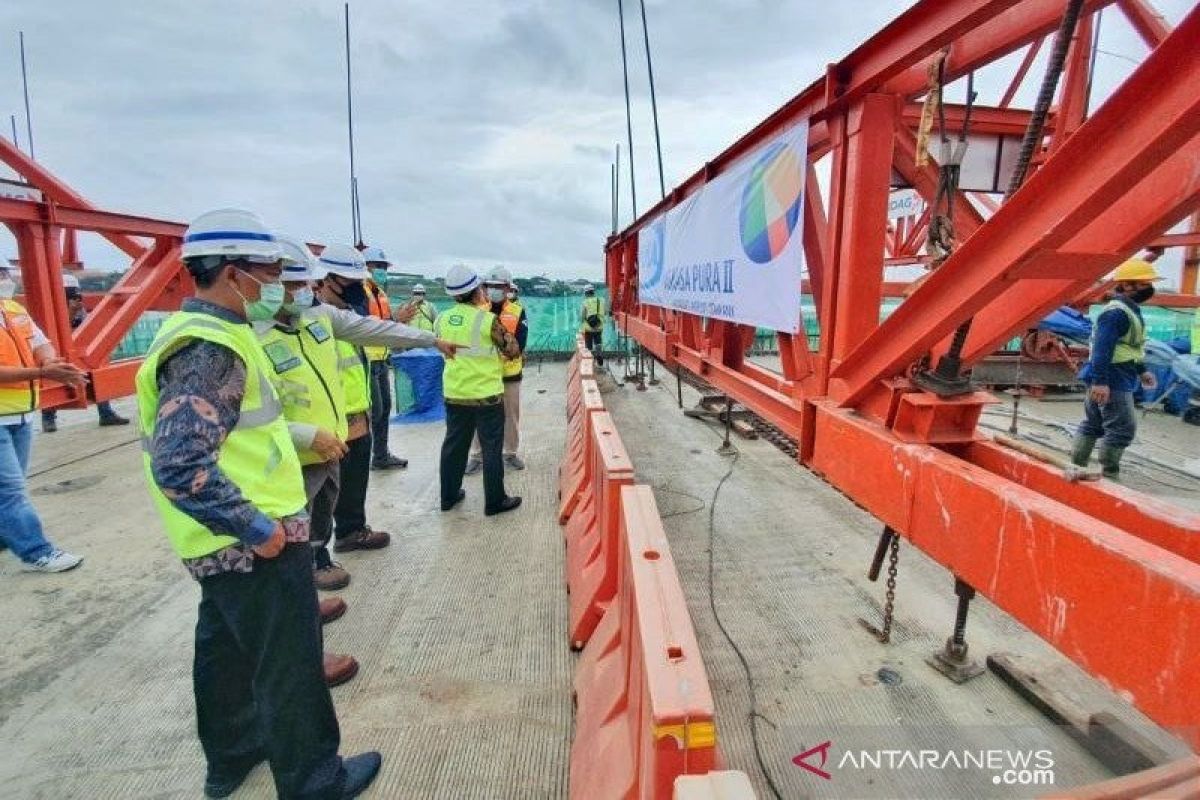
pixel 390 462
pixel 360 771
pixel 331 608
pixel 110 421
pixel 339 669
pixel 331 578
pixel 462 495
pixel 366 539
pixel 508 504
pixel 223 786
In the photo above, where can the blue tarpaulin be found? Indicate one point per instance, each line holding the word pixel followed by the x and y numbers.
pixel 423 367
pixel 1068 323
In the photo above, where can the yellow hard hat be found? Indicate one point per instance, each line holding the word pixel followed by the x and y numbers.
pixel 1135 269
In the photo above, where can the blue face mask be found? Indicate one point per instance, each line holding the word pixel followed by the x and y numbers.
pixel 270 300
pixel 380 276
pixel 301 299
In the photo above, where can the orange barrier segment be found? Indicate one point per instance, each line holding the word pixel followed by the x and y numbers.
pixel 644 713
pixel 1174 781
pixel 592 541
pixel 573 476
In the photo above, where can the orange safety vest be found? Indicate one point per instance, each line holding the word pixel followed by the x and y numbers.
pixel 510 318
pixel 377 306
pixel 18 397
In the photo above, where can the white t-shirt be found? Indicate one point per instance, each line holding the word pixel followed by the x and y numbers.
pixel 37 340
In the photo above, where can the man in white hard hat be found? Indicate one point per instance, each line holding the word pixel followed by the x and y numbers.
pixel 592 326
pixel 473 385
pixel 26 358
pixel 76 311
pixel 497 286
pixel 226 479
pixel 425 313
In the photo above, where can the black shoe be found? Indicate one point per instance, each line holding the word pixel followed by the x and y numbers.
pixel 49 426
pixel 508 504
pixel 389 462
pixel 360 771
pixel 115 419
pixel 462 495
pixel 224 786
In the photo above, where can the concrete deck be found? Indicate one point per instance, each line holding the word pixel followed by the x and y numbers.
pixel 460 627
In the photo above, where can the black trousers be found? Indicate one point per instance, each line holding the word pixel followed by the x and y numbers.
pixel 258 678
pixel 381 407
pixel 462 423
pixel 321 487
pixel 593 340
pixel 350 513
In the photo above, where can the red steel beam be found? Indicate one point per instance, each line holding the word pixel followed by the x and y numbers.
pixel 1152 117
pixel 1023 70
pixel 84 219
pixel 1148 23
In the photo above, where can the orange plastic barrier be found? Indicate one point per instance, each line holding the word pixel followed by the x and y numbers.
pixel 574 474
pixel 580 366
pixel 644 713
pixel 592 533
pixel 1178 780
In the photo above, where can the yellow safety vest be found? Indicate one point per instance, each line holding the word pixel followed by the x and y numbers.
pixel 1196 334
pixel 305 373
pixel 257 455
pixel 1131 346
pixel 355 384
pixel 18 397
pixel 475 372
pixel 510 318
pixel 592 305
pixel 377 306
pixel 426 314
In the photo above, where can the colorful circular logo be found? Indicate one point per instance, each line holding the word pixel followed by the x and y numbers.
pixel 656 253
pixel 771 203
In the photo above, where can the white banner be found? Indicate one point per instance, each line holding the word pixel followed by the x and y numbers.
pixel 905 203
pixel 734 250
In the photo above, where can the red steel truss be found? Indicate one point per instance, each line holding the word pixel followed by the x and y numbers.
pixel 1109 576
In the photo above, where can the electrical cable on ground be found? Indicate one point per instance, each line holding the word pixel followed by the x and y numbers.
pixel 83 457
pixel 712 604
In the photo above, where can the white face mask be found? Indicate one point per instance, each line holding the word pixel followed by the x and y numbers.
pixel 495 295
pixel 512 296
pixel 8 287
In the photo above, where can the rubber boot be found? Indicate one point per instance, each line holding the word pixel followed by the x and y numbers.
pixel 1081 449
pixel 1110 460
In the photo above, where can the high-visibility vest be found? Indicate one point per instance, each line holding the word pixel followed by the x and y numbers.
pixel 592 305
pixel 1196 333
pixel 377 306
pixel 257 455
pixel 426 314
pixel 1131 346
pixel 510 318
pixel 304 370
pixel 355 384
pixel 475 372
pixel 17 397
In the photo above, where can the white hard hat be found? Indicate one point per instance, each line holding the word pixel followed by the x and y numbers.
pixel 343 260
pixel 70 281
pixel 499 275
pixel 375 254
pixel 419 289
pixel 231 233
pixel 588 288
pixel 460 280
pixel 299 262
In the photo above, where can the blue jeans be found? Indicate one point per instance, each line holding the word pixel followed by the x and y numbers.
pixel 1115 421
pixel 20 528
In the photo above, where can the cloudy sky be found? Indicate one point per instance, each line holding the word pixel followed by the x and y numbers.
pixel 485 128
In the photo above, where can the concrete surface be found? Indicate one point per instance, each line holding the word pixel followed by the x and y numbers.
pixel 459 627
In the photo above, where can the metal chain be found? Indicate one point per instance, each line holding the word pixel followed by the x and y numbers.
pixel 889 605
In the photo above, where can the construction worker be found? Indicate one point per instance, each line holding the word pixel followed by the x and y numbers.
pixel 26 357
pixel 375 286
pixel 473 384
pixel 226 478
pixel 302 343
pixel 592 322
pixel 497 286
pixel 77 313
pixel 1115 369
pixel 425 313
pixel 342 287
